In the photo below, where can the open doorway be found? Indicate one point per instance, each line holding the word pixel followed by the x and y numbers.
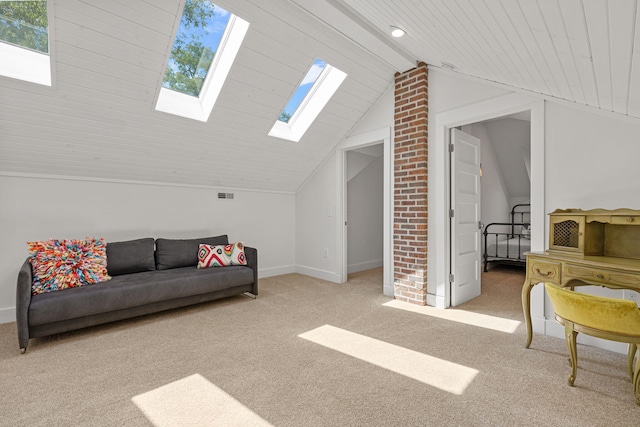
pixel 380 139
pixel 502 208
pixel 506 188
pixel 505 199
pixel 440 293
pixel 365 204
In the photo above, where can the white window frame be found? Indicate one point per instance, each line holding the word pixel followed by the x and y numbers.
pixel 199 108
pixel 321 92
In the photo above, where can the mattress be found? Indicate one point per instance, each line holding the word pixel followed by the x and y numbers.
pixel 513 248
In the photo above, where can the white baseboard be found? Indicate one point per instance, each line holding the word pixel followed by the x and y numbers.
pixel 8 315
pixel 362 266
pixel 329 276
pixel 387 290
pixel 275 271
pixel 436 301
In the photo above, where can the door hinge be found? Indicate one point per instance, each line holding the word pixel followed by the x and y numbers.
pixel 451 148
pixel 451 277
pixel 451 213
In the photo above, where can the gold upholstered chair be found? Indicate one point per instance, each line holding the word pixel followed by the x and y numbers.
pixel 609 318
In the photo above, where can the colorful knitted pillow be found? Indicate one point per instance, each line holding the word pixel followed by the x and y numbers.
pixel 62 264
pixel 221 255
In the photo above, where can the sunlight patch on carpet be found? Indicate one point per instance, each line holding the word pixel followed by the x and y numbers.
pixel 194 401
pixel 439 373
pixel 461 316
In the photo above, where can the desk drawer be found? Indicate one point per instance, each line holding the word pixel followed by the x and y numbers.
pixel 545 271
pixel 622 279
pixel 587 273
pixel 626 220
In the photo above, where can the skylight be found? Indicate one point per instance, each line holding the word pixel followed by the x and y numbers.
pixel 205 46
pixel 303 89
pixel 312 94
pixel 24 41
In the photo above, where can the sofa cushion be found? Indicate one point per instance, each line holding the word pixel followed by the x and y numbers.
pixel 133 290
pixel 221 255
pixel 131 256
pixel 62 264
pixel 175 253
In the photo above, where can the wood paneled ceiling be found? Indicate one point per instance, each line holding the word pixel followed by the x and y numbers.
pixel 98 118
pixel 583 51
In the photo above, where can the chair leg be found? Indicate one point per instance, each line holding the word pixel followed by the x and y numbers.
pixel 571 336
pixel 631 355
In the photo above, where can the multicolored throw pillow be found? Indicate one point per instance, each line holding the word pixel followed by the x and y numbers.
pixel 221 255
pixel 62 264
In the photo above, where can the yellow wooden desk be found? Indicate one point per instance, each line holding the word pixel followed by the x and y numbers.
pixel 569 271
pixel 586 247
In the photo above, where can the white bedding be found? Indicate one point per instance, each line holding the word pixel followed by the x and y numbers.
pixel 511 245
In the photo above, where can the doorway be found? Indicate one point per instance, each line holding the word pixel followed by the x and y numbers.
pixel 380 137
pixel 440 294
pixel 505 196
pixel 364 182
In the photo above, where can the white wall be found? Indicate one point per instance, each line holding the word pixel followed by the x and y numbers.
pixel 591 161
pixel 512 144
pixel 365 215
pixel 316 223
pixel 39 208
pixel 315 229
pixel 379 116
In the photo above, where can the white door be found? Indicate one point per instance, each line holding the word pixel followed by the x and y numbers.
pixel 465 227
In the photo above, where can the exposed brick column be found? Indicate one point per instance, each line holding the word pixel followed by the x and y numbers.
pixel 410 186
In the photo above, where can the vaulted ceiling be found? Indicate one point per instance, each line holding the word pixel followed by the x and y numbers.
pixel 583 51
pixel 98 118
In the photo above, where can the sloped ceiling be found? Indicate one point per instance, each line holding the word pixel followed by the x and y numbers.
pixel 98 118
pixel 511 140
pixel 583 51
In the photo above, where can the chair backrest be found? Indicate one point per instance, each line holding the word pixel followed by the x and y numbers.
pixel 607 314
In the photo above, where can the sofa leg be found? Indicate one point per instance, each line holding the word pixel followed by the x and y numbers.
pixel 249 294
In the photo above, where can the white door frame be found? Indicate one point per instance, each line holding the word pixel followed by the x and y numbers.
pixel 378 136
pixel 440 294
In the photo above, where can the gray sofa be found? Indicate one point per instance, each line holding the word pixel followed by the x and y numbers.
pixel 147 276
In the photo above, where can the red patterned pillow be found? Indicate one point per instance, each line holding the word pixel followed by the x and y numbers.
pixel 62 264
pixel 221 255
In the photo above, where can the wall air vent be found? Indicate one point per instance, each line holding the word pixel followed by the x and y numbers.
pixel 225 196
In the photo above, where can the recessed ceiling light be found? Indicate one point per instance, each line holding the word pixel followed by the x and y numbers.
pixel 397 31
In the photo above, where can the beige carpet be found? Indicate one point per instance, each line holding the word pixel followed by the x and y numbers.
pixel 313 353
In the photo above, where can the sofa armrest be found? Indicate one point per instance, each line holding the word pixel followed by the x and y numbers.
pixel 252 262
pixel 23 300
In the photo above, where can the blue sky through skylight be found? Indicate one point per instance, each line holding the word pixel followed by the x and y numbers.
pixel 195 46
pixel 303 89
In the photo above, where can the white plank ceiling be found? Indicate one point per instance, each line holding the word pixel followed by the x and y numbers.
pixel 98 118
pixel 583 51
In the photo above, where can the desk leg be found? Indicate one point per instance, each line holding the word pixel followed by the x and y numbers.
pixel 526 308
